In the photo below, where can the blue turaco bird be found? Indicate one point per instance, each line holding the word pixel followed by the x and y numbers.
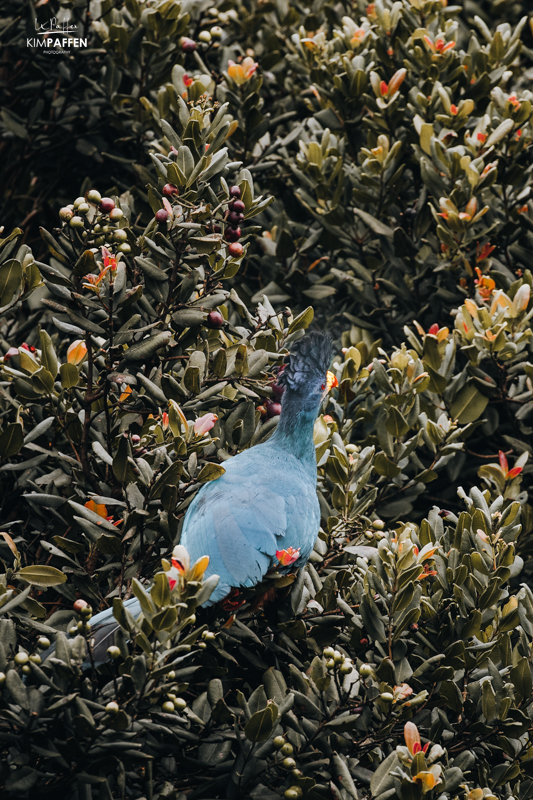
pixel 266 501
pixel 263 512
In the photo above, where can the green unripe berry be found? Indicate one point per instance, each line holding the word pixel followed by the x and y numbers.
pixel 21 658
pixel 80 626
pixel 125 248
pixel 35 659
pixel 213 12
pixel 330 664
pixel 180 704
pixel 43 642
pixel 292 793
pixel 65 214
pixel 77 222
pixel 100 241
pixel 93 196
pixel 288 763
pixel 202 645
pixel 120 235
pixel 97 228
pixel 369 534
pixel 209 636
pixel 113 652
pixel 387 697
pixel 365 670
pixel 168 707
pixel 338 657
pixel 84 208
pixel 78 201
pixel 297 773
pixel 351 448
pixel 171 675
pixel 345 668
pixel 216 32
pixel 172 696
pixel 87 627
pixel 279 742
pixel 116 214
pixel 26 669
pixel 86 611
pixel 73 630
pixel 204 36
pixel 378 525
pixel 106 228
pixel 112 707
pixel 287 749
pixel 328 652
pixel 2 678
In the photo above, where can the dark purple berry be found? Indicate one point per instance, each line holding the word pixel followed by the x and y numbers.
pixel 234 218
pixel 273 409
pixel 234 191
pixel 215 319
pixel 169 190
pixel 106 205
pixel 237 206
pixel 161 215
pixel 232 234
pixel 188 45
pixel 236 250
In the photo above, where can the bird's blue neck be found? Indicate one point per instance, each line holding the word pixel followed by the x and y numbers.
pixel 295 427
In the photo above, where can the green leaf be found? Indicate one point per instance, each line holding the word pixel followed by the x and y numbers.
pixel 210 472
pixel 384 466
pixel 85 264
pixel 42 575
pixel 374 224
pixel 302 321
pixel 69 375
pixel 468 405
pixel 121 466
pixel 11 440
pixel 10 280
pixel 261 724
pixel 396 424
pixel 48 354
pixel 142 351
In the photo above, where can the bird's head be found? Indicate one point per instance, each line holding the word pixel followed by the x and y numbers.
pixel 305 372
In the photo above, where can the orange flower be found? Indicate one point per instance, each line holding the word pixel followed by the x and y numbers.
pixel 164 420
pixel 453 110
pixel 288 556
pixel 241 73
pixel 187 80
pixel 328 418
pixel 383 88
pixel 428 573
pixel 371 10
pixel 482 137
pixel 181 566
pixel 76 352
pixel 109 260
pixel 98 508
pixel 514 101
pixel 484 284
pixel 125 394
pixel 358 37
pixel 331 381
pixel 485 252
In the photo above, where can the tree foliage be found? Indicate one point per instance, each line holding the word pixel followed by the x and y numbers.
pixel 382 155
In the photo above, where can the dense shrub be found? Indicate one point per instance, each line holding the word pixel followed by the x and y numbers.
pixel 382 154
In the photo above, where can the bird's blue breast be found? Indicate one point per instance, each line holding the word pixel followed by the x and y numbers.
pixel 265 501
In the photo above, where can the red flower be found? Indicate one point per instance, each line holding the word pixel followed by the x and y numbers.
pixel 187 80
pixel 482 137
pixel 453 110
pixel 434 329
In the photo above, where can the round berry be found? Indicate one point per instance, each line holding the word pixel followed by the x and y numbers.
pixel 180 704
pixel 213 12
pixel 328 652
pixel 169 190
pixel 113 652
pixel 78 201
pixel 345 668
pixel 77 222
pixel 235 250
pixel 86 611
pixel 65 214
pixel 21 659
pixel 80 626
pixel 125 248
pixel 287 749
pixel 135 438
pixel 161 215
pixel 106 205
pixel 188 45
pixel 338 657
pixel 216 32
pixel 238 206
pixel 204 36
pixel 93 196
pixel 26 669
pixel 112 707
pixel 378 525
pixel 35 659
pixel 168 707
pixel 330 664
pixel 120 235
pixel 234 191
pixel 363 641
pixel 84 208
pixel 171 675
pixel 116 214
pixel 2 678
pixel 292 793
pixel 288 763
pixel 273 409
pixel 365 671
pixel 279 742
pixel 73 630
pixel 215 319
pixel 387 697
pixel 233 218
pixel 230 234
pixel 43 642
pixel 277 390
pixel 79 605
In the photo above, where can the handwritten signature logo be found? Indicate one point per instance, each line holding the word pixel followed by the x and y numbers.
pixel 46 28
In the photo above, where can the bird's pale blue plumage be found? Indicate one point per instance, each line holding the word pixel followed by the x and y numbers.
pixel 266 500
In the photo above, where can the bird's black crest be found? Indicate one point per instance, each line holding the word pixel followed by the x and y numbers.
pixel 309 358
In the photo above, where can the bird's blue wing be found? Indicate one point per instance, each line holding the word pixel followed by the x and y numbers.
pixel 241 519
